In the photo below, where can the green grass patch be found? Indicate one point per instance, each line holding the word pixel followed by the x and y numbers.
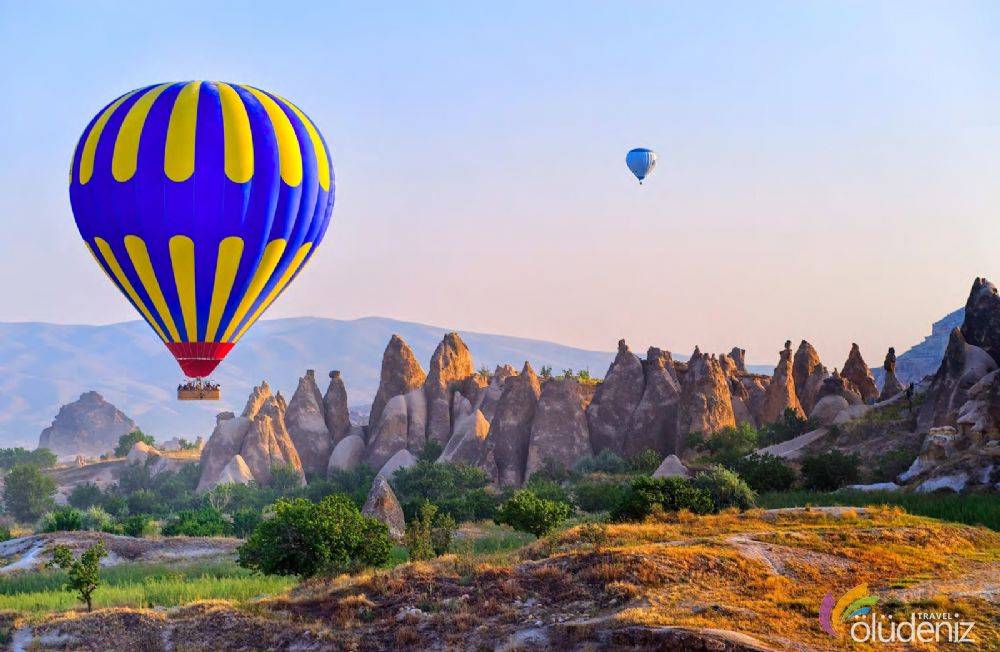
pixel 141 585
pixel 971 509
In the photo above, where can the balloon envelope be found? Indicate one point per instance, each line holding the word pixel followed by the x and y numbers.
pixel 641 162
pixel 201 201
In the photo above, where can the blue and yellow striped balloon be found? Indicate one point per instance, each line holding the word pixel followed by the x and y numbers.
pixel 201 201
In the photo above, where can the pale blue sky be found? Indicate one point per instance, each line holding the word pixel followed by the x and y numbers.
pixel 827 170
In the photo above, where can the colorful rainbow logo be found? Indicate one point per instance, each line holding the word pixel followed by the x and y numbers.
pixel 856 602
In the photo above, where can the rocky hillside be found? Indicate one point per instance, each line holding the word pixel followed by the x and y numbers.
pixel 923 359
pixel 89 426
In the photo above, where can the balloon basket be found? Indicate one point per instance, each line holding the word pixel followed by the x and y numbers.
pixel 199 390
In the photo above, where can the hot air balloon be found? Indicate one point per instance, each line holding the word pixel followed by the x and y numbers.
pixel 201 201
pixel 641 162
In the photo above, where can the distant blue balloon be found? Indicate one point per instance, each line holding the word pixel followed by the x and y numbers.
pixel 641 161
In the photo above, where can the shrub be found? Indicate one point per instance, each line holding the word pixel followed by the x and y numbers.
pixel 204 522
pixel 128 440
pixel 245 521
pixel 62 519
pixel 431 451
pixel 85 495
pixel 595 496
pixel 83 573
pixel 144 501
pixel 830 470
pixel 725 488
pixel 27 492
pixel 456 489
pixel 526 512
pixel 893 463
pixel 765 472
pixel 548 490
pixel 554 471
pixel 5 534
pixel 429 533
pixel 98 520
pixel 728 445
pixel 644 494
pixel 285 479
pixel 304 538
pixel 139 526
pixel 604 462
pixel 789 426
pixel 645 462
pixel 41 458
pixel 356 483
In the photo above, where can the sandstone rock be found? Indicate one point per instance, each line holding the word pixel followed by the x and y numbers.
pixel 450 366
pixel 510 430
pixel 780 394
pixel 809 395
pixel 140 453
pixel 306 424
pixel 89 426
pixel 653 423
pixel 416 419
pixel 827 409
pixel 558 433
pixel 224 444
pixel 755 387
pixel 954 483
pixel 494 389
pixel 705 403
pixel 390 435
pixel 878 486
pixel 401 372
pixel 857 373
pixel 468 441
pixel 890 385
pixel 835 385
pixel 258 395
pixel 739 357
pixel 263 449
pixel 614 401
pixel 383 505
pixel 804 366
pixel 671 467
pixel 982 318
pixel 962 367
pixel 403 459
pixel 347 454
pixel 235 472
pixel 335 412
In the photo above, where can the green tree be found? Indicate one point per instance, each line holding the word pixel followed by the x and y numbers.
pixel 285 479
pixel 830 470
pixel 304 538
pixel 789 426
pixel 429 533
pixel 85 495
pixel 430 451
pixel 597 496
pixel 728 445
pixel 43 458
pixel 526 512
pixel 765 472
pixel 456 489
pixel 62 519
pixel 644 494
pixel 84 574
pixel 245 521
pixel 204 522
pixel 725 488
pixel 139 526
pixel 645 462
pixel 128 440
pixel 27 492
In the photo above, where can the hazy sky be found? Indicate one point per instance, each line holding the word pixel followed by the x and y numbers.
pixel 827 170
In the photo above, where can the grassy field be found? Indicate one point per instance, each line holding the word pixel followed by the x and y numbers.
pixel 141 585
pixel 968 509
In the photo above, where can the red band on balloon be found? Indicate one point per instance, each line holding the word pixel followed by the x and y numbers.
pixel 199 359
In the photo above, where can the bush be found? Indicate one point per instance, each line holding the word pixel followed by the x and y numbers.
pixel 554 471
pixel 304 538
pixel 63 519
pixel 41 458
pixel 595 496
pixel 548 490
pixel 356 483
pixel 27 492
pixel 98 520
pixel 431 451
pixel 526 512
pixel 5 534
pixel 604 462
pixel 891 464
pixel 145 501
pixel 728 445
pixel 245 521
pixel 127 441
pixel 725 488
pixel 789 426
pixel 85 495
pixel 644 494
pixel 456 489
pixel 429 533
pixel 139 526
pixel 765 472
pixel 204 522
pixel 645 462
pixel 830 470
pixel 285 479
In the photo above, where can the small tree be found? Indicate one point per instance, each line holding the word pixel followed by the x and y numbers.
pixel 765 472
pixel 204 522
pixel 62 519
pixel 725 488
pixel 86 495
pixel 128 440
pixel 27 492
pixel 644 494
pixel 285 478
pixel 84 573
pixel 526 512
pixel 429 533
pixel 645 462
pixel 830 470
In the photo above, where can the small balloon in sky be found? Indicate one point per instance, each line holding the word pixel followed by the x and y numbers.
pixel 641 162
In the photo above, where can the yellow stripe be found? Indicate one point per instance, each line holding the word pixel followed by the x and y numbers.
pixel 293 267
pixel 289 156
pixel 116 269
pixel 230 251
pixel 144 268
pixel 182 259
pixel 272 254
pixel 322 162
pixel 178 156
pixel 90 145
pixel 127 143
pixel 236 132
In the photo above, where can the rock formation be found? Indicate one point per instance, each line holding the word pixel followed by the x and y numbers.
pixel 653 423
pixel 835 385
pixel 468 441
pixel 224 444
pixel 383 505
pixel 390 434
pixel 403 459
pixel 335 412
pixel 615 400
pixel 558 434
pixel 828 408
pixel 804 366
pixel 780 394
pixel 235 472
pixel 450 367
pixel 809 395
pixel 266 446
pixel 962 367
pixel 140 453
pixel 347 454
pixel 671 467
pixel 510 430
pixel 982 318
pixel 494 389
pixel 739 358
pixel 89 426
pixel 258 395
pixel 890 385
pixel 705 404
pixel 857 373
pixel 305 421
pixel 401 372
